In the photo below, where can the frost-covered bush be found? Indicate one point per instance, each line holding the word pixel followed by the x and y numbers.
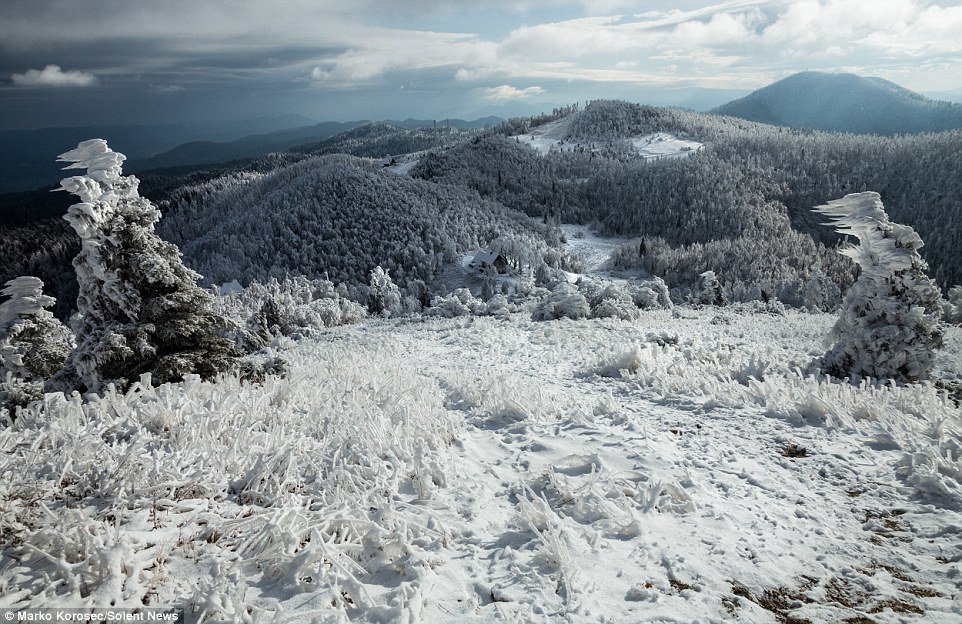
pixel 710 290
pixel 820 294
pixel 385 297
pixel 139 309
pixel 460 302
pixel 33 343
pixel 952 306
pixel 293 307
pixel 890 321
pixel 613 302
pixel 650 294
pixel 608 299
pixel 564 301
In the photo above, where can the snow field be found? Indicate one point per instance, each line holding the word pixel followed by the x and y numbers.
pixel 681 467
pixel 554 136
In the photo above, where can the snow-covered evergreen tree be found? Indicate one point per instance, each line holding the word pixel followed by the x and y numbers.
pixel 385 297
pixel 710 290
pixel 33 343
pixel 952 306
pixel 490 284
pixel 139 308
pixel 564 301
pixel 890 321
pixel 820 294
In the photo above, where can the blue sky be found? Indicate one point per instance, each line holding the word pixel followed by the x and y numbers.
pixel 77 62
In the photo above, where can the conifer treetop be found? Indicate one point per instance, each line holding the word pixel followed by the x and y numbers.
pixel 24 297
pixel 884 246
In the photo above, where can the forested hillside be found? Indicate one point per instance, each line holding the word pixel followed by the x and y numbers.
pixel 340 217
pixel 739 206
pixel 844 103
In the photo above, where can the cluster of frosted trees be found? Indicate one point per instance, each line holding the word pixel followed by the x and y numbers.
pixel 377 139
pixel 337 218
pixel 739 207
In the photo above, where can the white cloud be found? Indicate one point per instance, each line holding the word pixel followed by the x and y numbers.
pixel 333 44
pixel 507 93
pixel 53 76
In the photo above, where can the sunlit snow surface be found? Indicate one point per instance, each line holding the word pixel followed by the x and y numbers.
pixel 553 136
pixel 479 470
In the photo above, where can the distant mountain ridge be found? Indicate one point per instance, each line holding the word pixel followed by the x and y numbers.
pixel 28 156
pixel 844 103
pixel 253 146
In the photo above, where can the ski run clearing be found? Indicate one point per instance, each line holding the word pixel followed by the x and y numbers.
pixel 674 469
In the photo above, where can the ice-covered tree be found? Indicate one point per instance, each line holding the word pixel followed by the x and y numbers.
pixel 490 284
pixel 819 293
pixel 33 343
pixel 140 309
pixel 385 297
pixel 952 306
pixel 710 290
pixel 890 324
pixel 564 301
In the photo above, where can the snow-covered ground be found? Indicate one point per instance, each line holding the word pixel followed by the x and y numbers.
pixel 554 136
pixel 595 250
pixel 673 469
pixel 404 167
pixel 664 145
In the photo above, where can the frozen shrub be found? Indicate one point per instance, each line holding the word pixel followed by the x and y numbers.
pixel 294 307
pixel 458 303
pixel 614 302
pixel 710 290
pixel 564 301
pixel 140 309
pixel 498 306
pixel 952 306
pixel 385 297
pixel 33 343
pixel 820 294
pixel 652 294
pixel 889 325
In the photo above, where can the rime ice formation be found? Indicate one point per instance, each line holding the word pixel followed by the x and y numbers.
pixel 385 297
pixel 890 321
pixel 710 289
pixel 33 343
pixel 139 308
pixel 24 298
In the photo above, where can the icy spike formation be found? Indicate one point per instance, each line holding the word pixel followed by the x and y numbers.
pixel 24 298
pixel 890 321
pixel 140 309
pixel 33 343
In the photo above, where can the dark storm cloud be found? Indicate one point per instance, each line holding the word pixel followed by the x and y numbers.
pixel 332 58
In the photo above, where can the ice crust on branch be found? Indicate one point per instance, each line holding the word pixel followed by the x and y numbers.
pixel 24 297
pixel 139 308
pixel 890 320
pixel 33 343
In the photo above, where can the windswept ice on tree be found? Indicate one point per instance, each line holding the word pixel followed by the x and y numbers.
pixel 33 343
pixel 140 309
pixel 889 324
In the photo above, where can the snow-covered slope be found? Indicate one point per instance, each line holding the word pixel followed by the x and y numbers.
pixel 664 145
pixel 473 470
pixel 555 135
